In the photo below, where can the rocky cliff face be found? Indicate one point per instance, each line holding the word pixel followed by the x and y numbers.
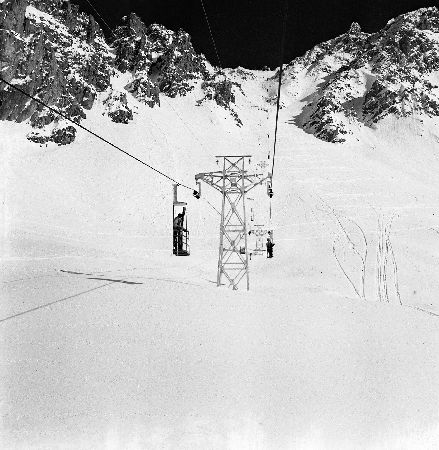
pixel 55 52
pixel 52 50
pixel 160 60
pixel 364 78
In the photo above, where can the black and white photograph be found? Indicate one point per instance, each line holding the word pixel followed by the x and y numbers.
pixel 219 225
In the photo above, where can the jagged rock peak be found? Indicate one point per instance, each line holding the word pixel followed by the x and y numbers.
pixel 131 25
pixel 390 72
pixel 137 45
pixel 52 49
pixel 160 60
pixel 354 28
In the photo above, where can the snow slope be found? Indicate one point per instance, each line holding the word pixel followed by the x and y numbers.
pixel 121 345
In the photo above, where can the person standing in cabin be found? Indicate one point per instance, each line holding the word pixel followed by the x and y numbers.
pixel 178 232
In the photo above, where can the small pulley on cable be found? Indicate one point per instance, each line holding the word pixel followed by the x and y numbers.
pixel 197 194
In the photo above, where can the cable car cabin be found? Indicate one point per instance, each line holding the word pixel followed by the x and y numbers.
pixel 180 238
pixel 180 232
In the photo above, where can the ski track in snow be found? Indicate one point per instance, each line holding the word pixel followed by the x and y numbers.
pixel 110 342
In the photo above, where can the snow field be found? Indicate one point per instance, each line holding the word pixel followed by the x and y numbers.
pixel 125 346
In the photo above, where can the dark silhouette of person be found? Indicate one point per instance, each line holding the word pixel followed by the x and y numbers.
pixel 270 246
pixel 178 231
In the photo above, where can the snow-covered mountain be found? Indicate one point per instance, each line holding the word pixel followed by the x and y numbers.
pixel 111 342
pixel 363 78
pixel 51 49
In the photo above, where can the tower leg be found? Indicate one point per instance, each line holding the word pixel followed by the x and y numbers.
pixel 221 241
pixel 245 230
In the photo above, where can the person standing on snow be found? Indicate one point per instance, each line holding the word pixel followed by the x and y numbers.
pixel 270 246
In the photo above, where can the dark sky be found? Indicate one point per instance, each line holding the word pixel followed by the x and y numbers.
pixel 248 32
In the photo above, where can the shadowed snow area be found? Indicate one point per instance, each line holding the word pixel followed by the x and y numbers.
pixel 110 342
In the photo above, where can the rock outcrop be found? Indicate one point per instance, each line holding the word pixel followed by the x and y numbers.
pixel 144 89
pixel 221 89
pixel 116 105
pixel 159 59
pixel 53 51
pixel 56 53
pixel 364 78
pixel 59 54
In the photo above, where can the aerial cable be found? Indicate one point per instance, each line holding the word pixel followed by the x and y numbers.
pixel 211 34
pixel 216 51
pixel 94 134
pixel 183 122
pixel 284 32
pixel 178 115
pixel 213 207
pixel 103 20
pixel 111 31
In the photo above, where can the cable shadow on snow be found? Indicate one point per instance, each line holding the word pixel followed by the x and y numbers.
pixel 46 305
pixel 74 273
pixel 114 281
pixel 89 277
pixel 97 277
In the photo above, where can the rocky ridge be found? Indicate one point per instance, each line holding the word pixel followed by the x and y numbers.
pixel 53 51
pixel 362 78
pixel 50 49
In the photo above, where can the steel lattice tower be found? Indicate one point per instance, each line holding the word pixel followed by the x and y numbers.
pixel 233 182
